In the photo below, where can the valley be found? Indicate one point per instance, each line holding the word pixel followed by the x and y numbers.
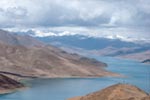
pixel 26 56
pixel 74 50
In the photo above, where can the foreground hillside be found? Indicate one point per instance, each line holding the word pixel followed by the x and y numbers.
pixel 7 85
pixel 116 92
pixel 26 56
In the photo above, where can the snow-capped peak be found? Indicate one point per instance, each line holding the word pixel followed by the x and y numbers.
pixel 48 33
pixel 38 33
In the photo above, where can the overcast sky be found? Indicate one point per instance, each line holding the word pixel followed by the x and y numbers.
pixel 126 17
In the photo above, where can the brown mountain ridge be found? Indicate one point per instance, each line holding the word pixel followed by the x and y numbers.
pixel 116 92
pixel 27 56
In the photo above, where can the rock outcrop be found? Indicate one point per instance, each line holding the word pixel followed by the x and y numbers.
pixel 8 85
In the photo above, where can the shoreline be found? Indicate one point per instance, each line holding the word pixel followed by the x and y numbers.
pixel 26 84
pixel 9 91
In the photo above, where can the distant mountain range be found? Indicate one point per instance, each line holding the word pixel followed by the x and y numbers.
pixel 23 55
pixel 79 41
pixel 102 46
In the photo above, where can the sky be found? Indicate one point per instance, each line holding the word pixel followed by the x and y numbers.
pixel 128 18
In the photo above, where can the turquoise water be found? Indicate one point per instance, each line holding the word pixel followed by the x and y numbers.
pixel 60 89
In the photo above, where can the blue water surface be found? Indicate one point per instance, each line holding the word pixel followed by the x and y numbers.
pixel 60 89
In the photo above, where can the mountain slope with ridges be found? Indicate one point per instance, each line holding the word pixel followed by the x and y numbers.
pixel 46 61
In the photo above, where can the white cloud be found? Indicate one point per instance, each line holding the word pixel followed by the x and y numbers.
pixel 111 33
pixel 90 17
pixel 75 12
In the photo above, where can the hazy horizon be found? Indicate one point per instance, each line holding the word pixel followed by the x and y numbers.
pixel 98 18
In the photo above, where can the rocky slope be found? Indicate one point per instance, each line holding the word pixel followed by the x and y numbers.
pixel 141 56
pixel 30 57
pixel 16 39
pixel 116 92
pixel 8 85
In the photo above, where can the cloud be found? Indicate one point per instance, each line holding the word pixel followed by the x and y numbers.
pixel 12 16
pixel 90 14
pixel 76 12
